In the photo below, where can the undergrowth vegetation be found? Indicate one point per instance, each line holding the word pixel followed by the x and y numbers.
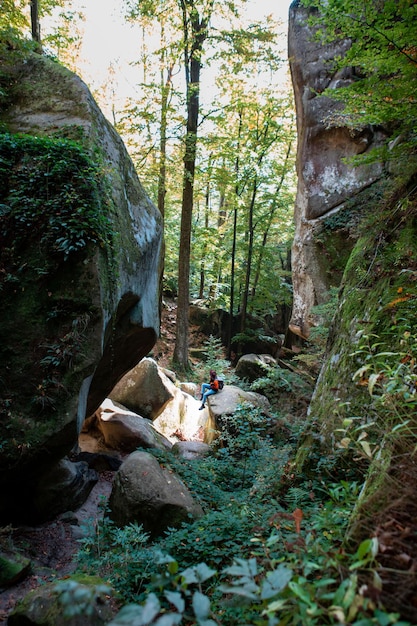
pixel 270 550
pixel 277 545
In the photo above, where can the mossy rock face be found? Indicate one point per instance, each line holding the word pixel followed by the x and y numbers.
pixel 80 261
pixel 376 315
pixel 72 604
pixel 363 416
pixel 13 569
pixel 335 236
pixel 51 309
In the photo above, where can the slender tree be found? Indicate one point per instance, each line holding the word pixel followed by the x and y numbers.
pixel 34 21
pixel 249 254
pixel 206 226
pixel 166 84
pixel 195 32
pixel 234 239
pixel 271 213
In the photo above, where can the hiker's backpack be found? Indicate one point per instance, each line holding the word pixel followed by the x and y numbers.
pixel 221 383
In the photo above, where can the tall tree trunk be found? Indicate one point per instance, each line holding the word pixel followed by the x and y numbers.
pixel 204 251
pixel 221 218
pixel 165 93
pixel 180 356
pixel 245 295
pixel 34 20
pixel 193 48
pixel 192 74
pixel 269 224
pixel 233 260
pixel 162 173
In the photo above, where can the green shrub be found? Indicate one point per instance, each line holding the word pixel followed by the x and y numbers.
pixel 286 575
pixel 278 381
pixel 122 556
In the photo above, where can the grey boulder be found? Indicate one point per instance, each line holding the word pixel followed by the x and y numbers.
pixel 191 449
pixel 145 389
pixel 126 431
pixel 149 494
pixel 253 366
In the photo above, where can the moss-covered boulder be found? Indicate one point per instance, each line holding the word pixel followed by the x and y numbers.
pixel 13 568
pixel 80 257
pixel 66 603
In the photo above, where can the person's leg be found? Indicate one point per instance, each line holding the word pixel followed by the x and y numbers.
pixel 204 387
pixel 206 394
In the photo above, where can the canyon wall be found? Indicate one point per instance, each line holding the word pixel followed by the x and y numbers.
pixel 330 192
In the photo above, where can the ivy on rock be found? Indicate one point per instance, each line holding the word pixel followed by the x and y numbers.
pixel 50 193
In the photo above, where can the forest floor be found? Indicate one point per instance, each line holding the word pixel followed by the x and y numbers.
pixel 52 547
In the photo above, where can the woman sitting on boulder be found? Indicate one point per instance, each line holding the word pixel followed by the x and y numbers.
pixel 208 389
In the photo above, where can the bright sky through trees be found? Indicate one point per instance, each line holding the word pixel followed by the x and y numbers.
pixel 228 218
pixel 109 44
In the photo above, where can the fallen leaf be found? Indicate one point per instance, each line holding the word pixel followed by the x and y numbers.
pixel 298 516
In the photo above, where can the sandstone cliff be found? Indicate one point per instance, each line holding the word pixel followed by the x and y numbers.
pixel 331 193
pixel 358 225
pixel 80 269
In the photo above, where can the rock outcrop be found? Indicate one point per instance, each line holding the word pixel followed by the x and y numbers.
pixel 331 192
pixel 253 366
pixel 363 412
pixel 77 321
pixel 149 391
pixel 125 431
pixel 151 495
pixel 181 418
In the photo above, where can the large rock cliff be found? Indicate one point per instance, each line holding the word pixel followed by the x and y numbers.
pixel 79 308
pixel 331 192
pixel 363 414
